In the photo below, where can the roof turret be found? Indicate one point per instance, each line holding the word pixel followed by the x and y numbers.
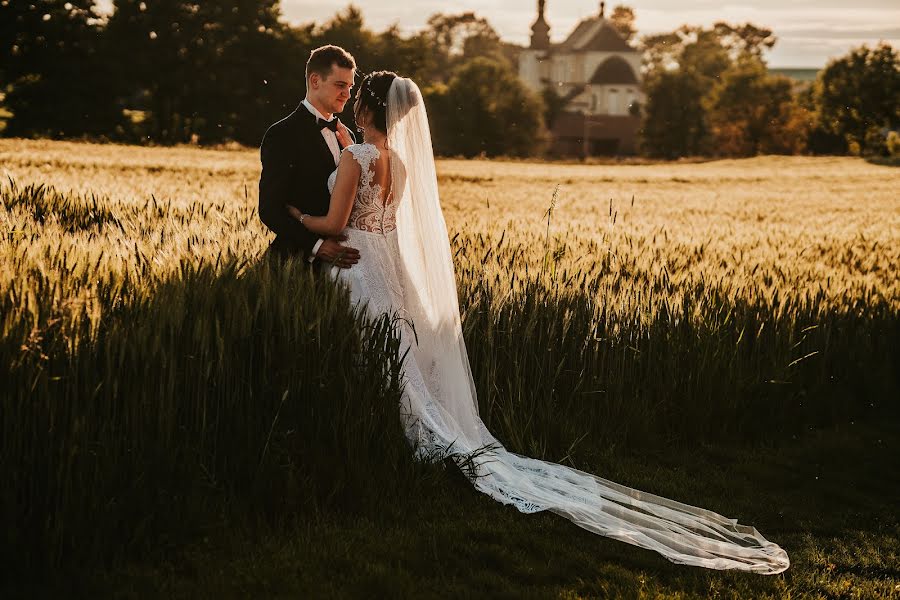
pixel 540 31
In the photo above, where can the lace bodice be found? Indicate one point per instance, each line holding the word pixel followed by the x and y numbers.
pixel 369 213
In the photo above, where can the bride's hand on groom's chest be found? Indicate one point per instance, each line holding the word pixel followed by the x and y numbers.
pixel 343 135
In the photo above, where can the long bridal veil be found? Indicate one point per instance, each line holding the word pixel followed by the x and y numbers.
pixel 441 404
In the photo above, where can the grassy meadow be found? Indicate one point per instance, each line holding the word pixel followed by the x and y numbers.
pixel 180 418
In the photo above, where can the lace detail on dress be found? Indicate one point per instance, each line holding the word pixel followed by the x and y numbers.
pixel 369 214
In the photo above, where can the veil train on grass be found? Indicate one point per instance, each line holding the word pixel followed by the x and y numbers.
pixel 441 407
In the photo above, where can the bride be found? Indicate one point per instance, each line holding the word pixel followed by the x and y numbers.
pixel 384 197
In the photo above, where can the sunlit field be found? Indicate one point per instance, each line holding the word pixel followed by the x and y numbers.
pixel 159 377
pixel 796 224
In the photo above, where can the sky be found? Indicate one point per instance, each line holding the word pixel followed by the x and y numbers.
pixel 809 32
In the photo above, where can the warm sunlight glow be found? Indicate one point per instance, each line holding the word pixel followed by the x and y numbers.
pixel 809 33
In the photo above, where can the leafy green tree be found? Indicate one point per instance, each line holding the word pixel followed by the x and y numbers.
pixel 347 29
pixel 408 56
pixel 486 109
pixel 858 96
pixel 705 56
pixel 746 40
pixel 456 39
pixel 708 92
pixel 660 52
pixel 751 112
pixel 709 51
pixel 201 69
pixel 158 44
pixel 54 69
pixel 284 78
pixel 622 19
pixel 554 104
pixel 675 121
pixel 251 47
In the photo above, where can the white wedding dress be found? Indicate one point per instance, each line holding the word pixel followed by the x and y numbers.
pixel 406 269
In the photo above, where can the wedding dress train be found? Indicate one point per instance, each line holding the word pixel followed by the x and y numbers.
pixel 406 268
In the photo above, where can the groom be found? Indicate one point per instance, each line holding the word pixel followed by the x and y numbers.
pixel 299 153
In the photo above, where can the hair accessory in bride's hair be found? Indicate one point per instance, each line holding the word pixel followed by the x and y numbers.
pixel 373 96
pixel 378 100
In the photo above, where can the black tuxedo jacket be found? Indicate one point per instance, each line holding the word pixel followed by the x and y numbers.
pixel 296 163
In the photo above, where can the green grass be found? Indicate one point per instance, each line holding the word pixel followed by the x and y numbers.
pixel 198 389
pixel 179 418
pixel 829 498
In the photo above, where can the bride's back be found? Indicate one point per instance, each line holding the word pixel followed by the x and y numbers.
pixel 380 169
pixel 374 208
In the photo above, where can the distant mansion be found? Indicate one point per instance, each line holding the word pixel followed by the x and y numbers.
pixel 598 76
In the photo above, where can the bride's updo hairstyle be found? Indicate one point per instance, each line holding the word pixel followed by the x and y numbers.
pixel 372 96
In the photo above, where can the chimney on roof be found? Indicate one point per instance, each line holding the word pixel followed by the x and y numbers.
pixel 602 9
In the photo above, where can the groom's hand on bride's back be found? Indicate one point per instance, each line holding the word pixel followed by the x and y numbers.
pixel 332 251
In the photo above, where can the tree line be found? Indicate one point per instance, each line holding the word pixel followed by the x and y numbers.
pixel 170 71
pixel 709 93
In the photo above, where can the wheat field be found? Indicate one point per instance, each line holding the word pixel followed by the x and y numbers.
pixel 796 224
pixel 636 305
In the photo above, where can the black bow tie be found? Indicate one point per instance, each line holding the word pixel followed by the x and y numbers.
pixel 323 124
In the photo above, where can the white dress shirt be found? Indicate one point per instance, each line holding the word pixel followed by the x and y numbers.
pixel 331 140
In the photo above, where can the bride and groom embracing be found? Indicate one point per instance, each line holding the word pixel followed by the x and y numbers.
pixel 369 215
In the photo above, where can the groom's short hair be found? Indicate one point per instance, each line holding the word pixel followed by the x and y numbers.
pixel 324 57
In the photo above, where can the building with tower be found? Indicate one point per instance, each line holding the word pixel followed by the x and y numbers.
pixel 597 76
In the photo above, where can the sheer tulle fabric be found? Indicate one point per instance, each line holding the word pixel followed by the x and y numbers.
pixel 441 408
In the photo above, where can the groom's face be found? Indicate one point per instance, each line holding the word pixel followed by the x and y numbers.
pixel 333 91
